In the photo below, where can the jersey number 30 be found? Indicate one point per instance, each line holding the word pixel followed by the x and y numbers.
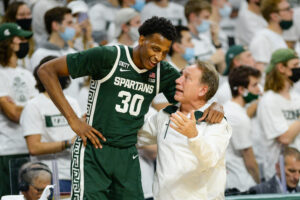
pixel 134 104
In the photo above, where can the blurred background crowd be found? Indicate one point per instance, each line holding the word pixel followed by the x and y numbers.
pixel 254 45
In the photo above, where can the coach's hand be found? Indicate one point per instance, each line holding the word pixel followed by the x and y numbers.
pixel 213 114
pixel 183 124
pixel 85 131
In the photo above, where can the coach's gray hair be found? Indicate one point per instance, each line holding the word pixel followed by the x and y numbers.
pixel 27 175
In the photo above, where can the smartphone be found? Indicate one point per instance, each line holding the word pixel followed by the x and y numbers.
pixel 82 17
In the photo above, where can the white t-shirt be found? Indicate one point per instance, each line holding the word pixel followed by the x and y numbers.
pixel 264 43
pixel 203 48
pixel 19 84
pixel 223 93
pixel 247 24
pixel 275 114
pixel 237 174
pixel 41 53
pixel 41 117
pixel 174 12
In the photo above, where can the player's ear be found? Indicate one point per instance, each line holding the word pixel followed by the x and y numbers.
pixel 141 40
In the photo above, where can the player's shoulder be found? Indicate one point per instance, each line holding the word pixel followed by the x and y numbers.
pixel 167 67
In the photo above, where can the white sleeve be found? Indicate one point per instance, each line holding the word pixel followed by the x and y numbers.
pixel 3 87
pixel 272 119
pixel 148 133
pixel 160 98
pixel 260 49
pixel 210 147
pixel 241 134
pixel 31 120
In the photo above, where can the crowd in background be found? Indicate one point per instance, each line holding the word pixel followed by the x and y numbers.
pixel 254 45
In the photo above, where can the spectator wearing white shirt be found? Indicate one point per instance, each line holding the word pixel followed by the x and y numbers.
pixel 241 165
pixel 279 109
pixel 197 14
pixel 279 16
pixel 249 21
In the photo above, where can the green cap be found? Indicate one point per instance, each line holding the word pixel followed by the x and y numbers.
pixel 281 56
pixel 8 30
pixel 232 52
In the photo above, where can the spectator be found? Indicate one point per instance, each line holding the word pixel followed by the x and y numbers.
pixel 279 108
pixel 18 12
pixel 16 88
pixel 191 157
pixel 33 178
pixel 127 22
pixel 250 20
pixel 279 16
pixel 59 24
pixel 164 8
pixel 241 165
pixel 182 50
pixel 236 56
pixel 83 38
pixel 47 132
pixel 197 14
pixel 292 174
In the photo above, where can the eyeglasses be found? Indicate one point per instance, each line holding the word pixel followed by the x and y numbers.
pixel 39 190
pixel 285 9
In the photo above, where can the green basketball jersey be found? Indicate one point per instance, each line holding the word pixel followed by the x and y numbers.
pixel 120 93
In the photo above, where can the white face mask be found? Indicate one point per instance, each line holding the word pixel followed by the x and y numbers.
pixel 134 33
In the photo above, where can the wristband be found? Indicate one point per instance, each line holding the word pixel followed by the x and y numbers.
pixel 68 143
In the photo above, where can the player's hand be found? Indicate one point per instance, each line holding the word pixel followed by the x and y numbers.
pixel 184 125
pixel 213 114
pixel 85 131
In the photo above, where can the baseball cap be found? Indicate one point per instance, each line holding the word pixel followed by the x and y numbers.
pixel 232 52
pixel 9 30
pixel 123 16
pixel 78 7
pixel 280 56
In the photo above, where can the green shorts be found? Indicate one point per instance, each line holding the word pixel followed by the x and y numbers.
pixel 110 173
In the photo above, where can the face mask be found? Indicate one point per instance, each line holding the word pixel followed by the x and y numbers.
pixel 24 23
pixel 139 5
pixel 296 75
pixel 23 50
pixel 134 33
pixel 68 34
pixel 203 27
pixel 285 24
pixel 189 54
pixel 249 97
pixel 225 11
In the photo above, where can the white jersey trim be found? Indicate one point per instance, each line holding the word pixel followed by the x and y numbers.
pixel 132 63
pixel 158 78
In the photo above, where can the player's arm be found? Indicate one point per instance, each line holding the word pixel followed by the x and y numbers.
pixel 10 109
pixel 48 74
pixel 250 163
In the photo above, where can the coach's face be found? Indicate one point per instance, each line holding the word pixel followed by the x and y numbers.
pixel 153 49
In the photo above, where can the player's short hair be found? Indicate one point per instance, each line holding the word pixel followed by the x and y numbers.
pixel 64 80
pixel 56 14
pixel 268 7
pixel 178 38
pixel 209 77
pixel 158 25
pixel 240 76
pixel 196 6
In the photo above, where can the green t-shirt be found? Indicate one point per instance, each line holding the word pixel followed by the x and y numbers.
pixel 120 93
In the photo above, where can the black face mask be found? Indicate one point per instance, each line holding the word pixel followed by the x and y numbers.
pixel 285 25
pixel 24 48
pixel 24 23
pixel 296 75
